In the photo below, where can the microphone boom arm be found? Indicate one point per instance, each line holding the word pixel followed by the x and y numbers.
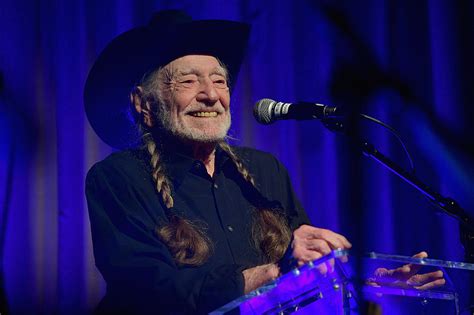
pixel 448 205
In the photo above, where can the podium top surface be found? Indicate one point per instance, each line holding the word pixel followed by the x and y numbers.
pixel 332 277
pixel 421 261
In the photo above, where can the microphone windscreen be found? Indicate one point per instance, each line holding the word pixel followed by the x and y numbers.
pixel 262 111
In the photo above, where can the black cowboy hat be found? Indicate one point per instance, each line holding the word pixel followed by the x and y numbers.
pixel 128 57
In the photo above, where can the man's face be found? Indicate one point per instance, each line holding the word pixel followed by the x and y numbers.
pixel 195 98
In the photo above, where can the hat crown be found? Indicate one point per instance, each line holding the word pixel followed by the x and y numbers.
pixel 168 19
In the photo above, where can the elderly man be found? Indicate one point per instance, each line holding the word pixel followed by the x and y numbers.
pixel 184 222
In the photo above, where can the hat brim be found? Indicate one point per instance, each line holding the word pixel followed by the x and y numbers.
pixel 127 58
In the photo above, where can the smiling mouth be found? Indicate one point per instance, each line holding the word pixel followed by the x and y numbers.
pixel 204 114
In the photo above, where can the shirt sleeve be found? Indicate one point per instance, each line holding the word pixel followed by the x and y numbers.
pixel 140 272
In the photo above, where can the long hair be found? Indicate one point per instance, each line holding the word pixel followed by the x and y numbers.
pixel 186 240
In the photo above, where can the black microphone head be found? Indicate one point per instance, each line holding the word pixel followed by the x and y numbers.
pixel 262 111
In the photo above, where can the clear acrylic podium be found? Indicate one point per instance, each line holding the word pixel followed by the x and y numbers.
pixel 327 286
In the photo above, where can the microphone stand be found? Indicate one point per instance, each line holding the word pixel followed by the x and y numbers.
pixel 446 204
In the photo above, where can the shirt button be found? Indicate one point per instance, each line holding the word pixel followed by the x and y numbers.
pixel 230 228
pixel 216 186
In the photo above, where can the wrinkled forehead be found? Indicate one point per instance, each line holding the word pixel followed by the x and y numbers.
pixel 196 64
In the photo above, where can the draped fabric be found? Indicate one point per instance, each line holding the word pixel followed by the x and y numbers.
pixel 408 63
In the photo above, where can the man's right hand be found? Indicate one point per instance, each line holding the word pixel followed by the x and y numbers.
pixel 309 243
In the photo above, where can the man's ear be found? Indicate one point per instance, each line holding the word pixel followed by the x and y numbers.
pixel 142 106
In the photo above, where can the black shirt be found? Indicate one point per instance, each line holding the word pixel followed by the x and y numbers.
pixel 125 209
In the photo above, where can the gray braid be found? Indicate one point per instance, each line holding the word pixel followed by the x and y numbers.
pixel 270 230
pixel 163 185
pixel 238 163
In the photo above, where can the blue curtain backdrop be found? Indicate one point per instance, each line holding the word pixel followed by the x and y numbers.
pixel 408 63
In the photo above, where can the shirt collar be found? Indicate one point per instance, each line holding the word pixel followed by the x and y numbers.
pixel 177 165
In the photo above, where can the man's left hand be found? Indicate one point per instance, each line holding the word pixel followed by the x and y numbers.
pixel 407 276
pixel 311 243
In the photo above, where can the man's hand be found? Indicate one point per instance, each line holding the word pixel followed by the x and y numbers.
pixel 311 243
pixel 407 276
pixel 257 276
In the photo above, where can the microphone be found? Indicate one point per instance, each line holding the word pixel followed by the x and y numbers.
pixel 267 111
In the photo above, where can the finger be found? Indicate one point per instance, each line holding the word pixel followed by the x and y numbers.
pixel 303 255
pixel 308 250
pixel 431 285
pixel 384 276
pixel 330 264
pixel 310 232
pixel 371 282
pixel 381 272
pixel 308 257
pixel 414 268
pixel 421 279
pixel 343 259
pixel 326 267
pixel 402 273
pixel 336 241
pixel 422 254
pixel 314 250
pixel 409 270
pixel 322 268
pixel 318 245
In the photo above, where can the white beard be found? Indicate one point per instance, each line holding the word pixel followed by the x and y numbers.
pixel 182 130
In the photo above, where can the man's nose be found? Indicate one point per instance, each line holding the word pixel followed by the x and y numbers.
pixel 208 92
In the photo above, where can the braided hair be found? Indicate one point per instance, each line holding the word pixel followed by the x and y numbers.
pixel 270 231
